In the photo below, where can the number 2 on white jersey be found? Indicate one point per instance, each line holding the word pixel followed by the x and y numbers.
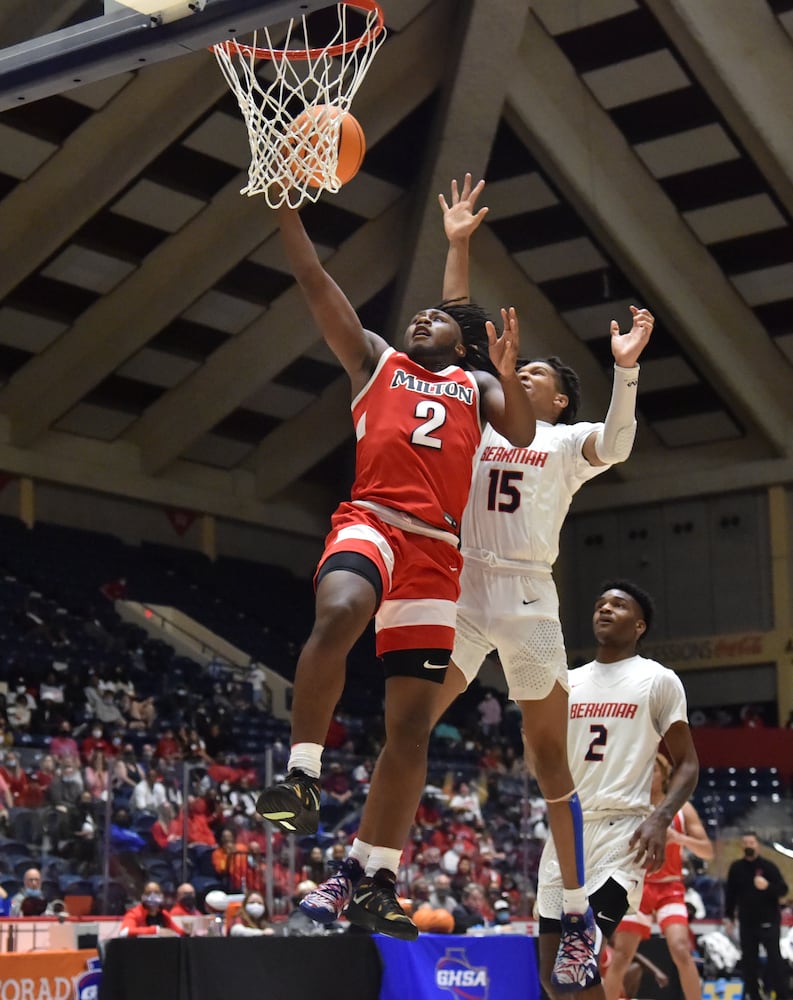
pixel 600 738
pixel 437 418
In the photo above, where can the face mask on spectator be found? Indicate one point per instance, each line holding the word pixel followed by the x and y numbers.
pixel 152 900
pixel 187 901
pixel 256 910
pixel 97 734
pixel 749 852
pixel 69 776
pixel 34 893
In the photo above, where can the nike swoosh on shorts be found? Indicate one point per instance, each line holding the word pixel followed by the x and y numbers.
pixel 434 666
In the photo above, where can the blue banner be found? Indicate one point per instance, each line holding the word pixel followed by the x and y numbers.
pixel 459 967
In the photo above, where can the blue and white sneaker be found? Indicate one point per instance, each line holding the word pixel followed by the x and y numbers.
pixel 576 965
pixel 328 901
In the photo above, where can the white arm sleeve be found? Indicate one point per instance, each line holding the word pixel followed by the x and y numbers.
pixel 614 439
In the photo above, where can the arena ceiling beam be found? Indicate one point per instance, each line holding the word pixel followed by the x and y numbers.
pixel 755 105
pixel 574 139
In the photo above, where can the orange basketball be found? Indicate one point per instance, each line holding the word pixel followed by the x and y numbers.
pixel 306 130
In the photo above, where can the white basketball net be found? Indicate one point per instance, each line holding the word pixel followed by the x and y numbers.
pixel 275 83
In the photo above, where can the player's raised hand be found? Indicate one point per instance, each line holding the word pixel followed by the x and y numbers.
pixel 503 350
pixel 626 347
pixel 460 219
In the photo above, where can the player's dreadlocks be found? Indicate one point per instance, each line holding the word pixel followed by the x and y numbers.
pixel 471 319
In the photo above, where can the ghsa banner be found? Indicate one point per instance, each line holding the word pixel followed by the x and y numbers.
pixel 459 967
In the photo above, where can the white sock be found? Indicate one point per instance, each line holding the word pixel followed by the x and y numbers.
pixel 575 900
pixel 360 852
pixel 383 857
pixel 308 757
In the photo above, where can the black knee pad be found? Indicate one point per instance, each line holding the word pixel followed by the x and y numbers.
pixel 428 664
pixel 353 562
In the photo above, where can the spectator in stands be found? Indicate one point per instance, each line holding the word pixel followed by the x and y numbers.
pixel 6 802
pixel 126 774
pixel 149 794
pixel 186 904
pixel 471 910
pixel 253 919
pixel 51 690
pixel 465 804
pixel 107 711
pixel 314 869
pixel 489 709
pixel 95 740
pixel 16 778
pixel 257 678
pixel 62 797
pixel 337 791
pixel 29 901
pixel 230 859
pixel 168 746
pixel 142 712
pixel 6 736
pixel 97 775
pixel 242 799
pixel 81 844
pixel 166 829
pixel 149 917
pixel 22 689
pixel 19 714
pixel 45 774
pixel 441 896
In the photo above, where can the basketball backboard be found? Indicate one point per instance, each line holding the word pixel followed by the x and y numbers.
pixel 122 39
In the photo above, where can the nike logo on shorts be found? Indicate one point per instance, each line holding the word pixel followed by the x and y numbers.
pixel 434 666
pixel 532 602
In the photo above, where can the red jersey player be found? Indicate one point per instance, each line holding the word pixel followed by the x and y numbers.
pixel 393 552
pixel 664 897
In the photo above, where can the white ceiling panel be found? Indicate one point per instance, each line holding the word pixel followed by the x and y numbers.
pixel 560 16
pixel 281 401
pixel 732 219
pixel 158 206
pixel 158 368
pixel 665 373
pixel 557 260
pixel 529 191
pixel 21 154
pixel 685 151
pixel 636 79
pixel 595 321
pixel 770 284
pixel 85 268
pixel 700 428
pixel 218 451
pixel 98 422
pixel 223 312
pixel 222 137
pixel 27 331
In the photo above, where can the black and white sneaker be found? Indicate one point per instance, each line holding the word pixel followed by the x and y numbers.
pixel 374 907
pixel 292 804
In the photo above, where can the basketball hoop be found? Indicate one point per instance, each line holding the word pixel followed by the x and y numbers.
pixel 294 165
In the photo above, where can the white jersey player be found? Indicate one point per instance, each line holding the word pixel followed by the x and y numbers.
pixel 621 705
pixel 510 539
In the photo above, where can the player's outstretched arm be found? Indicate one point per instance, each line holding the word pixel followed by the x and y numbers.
pixel 460 221
pixel 613 441
pixel 505 403
pixel 357 349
